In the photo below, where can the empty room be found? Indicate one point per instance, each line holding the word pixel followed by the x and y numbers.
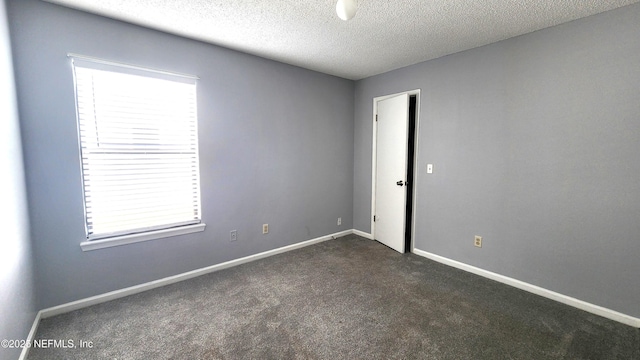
pixel 320 179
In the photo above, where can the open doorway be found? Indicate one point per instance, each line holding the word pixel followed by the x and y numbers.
pixel 394 156
pixel 411 142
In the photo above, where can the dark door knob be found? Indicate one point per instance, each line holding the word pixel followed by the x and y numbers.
pixel 400 183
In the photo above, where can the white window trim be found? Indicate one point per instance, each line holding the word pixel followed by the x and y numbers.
pixel 131 238
pixel 140 237
pixel 134 68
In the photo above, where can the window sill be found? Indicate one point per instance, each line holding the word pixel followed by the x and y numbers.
pixel 134 238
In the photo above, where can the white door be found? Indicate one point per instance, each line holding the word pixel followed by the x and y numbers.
pixel 391 170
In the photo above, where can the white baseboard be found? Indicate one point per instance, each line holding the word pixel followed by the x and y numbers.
pixel 582 305
pixel 98 299
pixel 363 234
pixel 31 336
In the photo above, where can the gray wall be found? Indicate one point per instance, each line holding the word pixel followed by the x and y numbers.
pixel 275 147
pixel 17 297
pixel 535 143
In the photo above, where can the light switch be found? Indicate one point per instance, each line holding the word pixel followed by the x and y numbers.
pixel 429 168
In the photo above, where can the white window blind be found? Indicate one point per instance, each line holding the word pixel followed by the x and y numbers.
pixel 139 148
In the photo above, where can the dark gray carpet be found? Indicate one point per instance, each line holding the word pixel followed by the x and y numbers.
pixel 348 298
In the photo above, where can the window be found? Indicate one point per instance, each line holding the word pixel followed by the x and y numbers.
pixel 139 150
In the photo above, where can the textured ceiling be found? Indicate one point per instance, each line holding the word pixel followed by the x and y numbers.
pixel 384 35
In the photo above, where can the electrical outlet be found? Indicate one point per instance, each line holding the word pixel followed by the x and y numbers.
pixel 233 236
pixel 265 228
pixel 477 241
pixel 339 221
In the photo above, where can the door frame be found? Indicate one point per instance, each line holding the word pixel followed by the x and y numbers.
pixel 416 171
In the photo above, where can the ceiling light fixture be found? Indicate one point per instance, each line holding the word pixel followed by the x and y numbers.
pixel 346 9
